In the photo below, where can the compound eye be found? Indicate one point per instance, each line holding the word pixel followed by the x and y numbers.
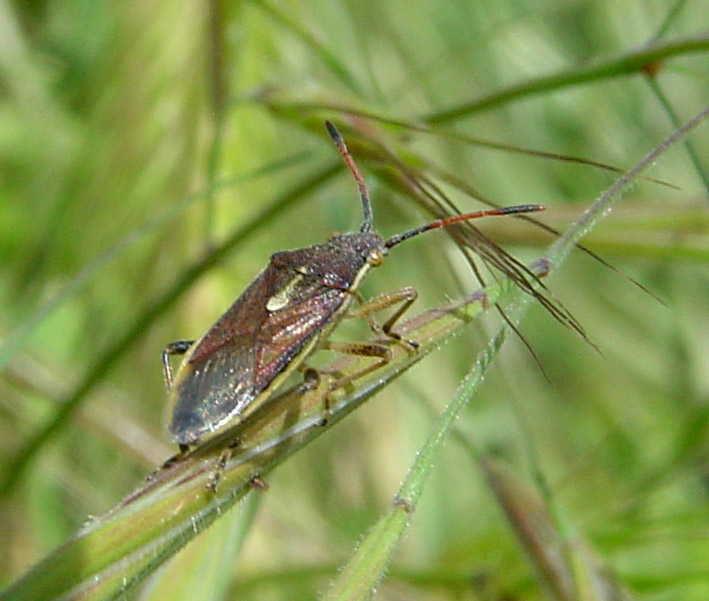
pixel 375 257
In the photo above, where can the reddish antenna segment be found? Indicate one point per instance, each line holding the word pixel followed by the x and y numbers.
pixel 349 161
pixel 394 240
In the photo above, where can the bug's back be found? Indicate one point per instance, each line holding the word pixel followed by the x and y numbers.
pixel 268 332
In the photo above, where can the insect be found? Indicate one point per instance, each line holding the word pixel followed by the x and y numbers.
pixel 283 316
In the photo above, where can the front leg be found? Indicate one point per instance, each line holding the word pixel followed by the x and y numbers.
pixel 179 347
pixel 405 297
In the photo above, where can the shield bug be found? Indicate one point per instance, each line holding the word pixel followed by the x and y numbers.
pixel 283 316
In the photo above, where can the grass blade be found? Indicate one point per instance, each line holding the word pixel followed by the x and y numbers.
pixel 362 573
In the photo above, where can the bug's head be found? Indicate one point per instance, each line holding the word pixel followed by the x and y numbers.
pixel 356 249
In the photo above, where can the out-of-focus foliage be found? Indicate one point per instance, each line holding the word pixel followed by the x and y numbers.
pixel 137 137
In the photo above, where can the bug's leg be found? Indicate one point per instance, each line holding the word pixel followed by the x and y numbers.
pixel 361 349
pixel 404 297
pixel 179 347
pixel 169 462
pixel 258 483
pixel 219 468
pixel 311 378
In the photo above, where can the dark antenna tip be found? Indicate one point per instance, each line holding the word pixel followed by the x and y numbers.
pixel 349 161
pixel 334 134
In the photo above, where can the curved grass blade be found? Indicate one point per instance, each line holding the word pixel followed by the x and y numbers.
pixel 635 61
pixel 450 134
pixel 203 570
pixel 118 550
pixel 366 567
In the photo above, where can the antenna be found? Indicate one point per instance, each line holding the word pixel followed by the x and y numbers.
pixel 394 240
pixel 349 161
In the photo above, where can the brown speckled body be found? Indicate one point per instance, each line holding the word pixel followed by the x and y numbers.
pixel 267 333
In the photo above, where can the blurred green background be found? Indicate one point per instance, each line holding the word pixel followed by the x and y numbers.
pixel 136 139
